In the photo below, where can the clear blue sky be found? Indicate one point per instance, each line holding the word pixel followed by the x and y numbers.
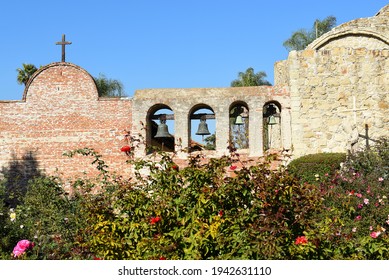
pixel 160 44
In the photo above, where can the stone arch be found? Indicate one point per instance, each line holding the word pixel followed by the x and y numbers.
pixel 239 124
pixel 201 113
pixel 342 33
pixel 272 136
pixel 55 79
pixel 157 115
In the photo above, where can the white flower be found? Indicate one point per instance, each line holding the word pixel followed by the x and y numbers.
pixel 21 226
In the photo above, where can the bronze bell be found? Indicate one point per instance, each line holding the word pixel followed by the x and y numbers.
pixel 203 128
pixel 239 120
pixel 163 131
pixel 271 120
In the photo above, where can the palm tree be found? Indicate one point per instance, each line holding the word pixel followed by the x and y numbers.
pixel 108 87
pixel 302 38
pixel 25 73
pixel 250 79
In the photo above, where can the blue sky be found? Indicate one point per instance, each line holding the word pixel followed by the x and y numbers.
pixel 160 44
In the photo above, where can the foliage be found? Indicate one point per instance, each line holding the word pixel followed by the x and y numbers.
pixel 372 162
pixel 25 73
pixel 47 217
pixel 250 79
pixel 314 167
pixel 108 87
pixel 207 210
pixel 356 208
pixel 198 213
pixel 210 142
pixel 302 38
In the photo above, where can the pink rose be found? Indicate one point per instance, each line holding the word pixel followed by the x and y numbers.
pixel 22 246
pixel 375 234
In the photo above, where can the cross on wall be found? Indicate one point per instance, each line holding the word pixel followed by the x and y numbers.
pixel 354 110
pixel 366 135
pixel 63 43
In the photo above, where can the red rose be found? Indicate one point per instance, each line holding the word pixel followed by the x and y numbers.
pixel 301 240
pixel 221 213
pixel 154 220
pixel 125 149
pixel 175 167
pixel 233 167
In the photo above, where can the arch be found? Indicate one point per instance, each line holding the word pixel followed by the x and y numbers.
pixel 201 117
pixel 60 65
pixel 341 33
pixel 158 116
pixel 272 125
pixel 239 124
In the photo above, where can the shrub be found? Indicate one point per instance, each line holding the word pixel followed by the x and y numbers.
pixel 198 213
pixel 355 216
pixel 373 162
pixel 45 216
pixel 314 167
pixel 212 210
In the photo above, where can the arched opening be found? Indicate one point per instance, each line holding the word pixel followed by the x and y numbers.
pixel 272 126
pixel 239 125
pixel 202 127
pixel 160 129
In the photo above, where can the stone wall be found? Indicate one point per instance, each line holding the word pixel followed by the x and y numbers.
pixel 61 111
pixel 323 86
pixel 182 102
pixel 370 33
pixel 315 93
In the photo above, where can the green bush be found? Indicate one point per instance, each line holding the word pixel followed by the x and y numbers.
pixel 355 217
pixel 46 217
pixel 373 162
pixel 314 167
pixel 198 213
pixel 211 210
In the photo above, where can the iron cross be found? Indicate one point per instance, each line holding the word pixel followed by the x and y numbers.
pixel 63 43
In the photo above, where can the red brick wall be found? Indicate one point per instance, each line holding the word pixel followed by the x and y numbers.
pixel 61 111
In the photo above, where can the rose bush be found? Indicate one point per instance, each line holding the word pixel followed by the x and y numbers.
pixel 207 210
